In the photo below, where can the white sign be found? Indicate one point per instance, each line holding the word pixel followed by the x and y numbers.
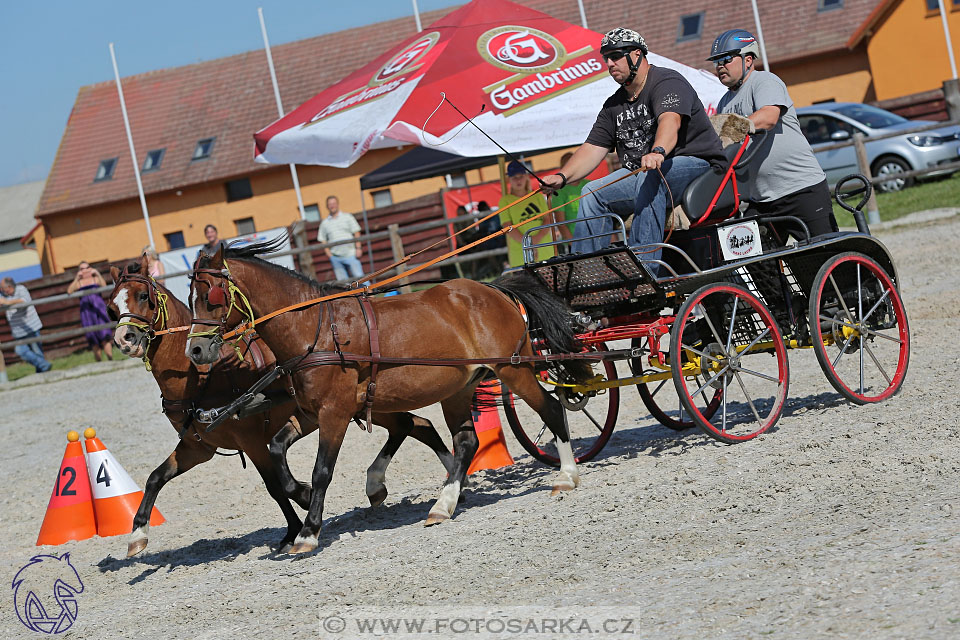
pixel 740 240
pixel 182 260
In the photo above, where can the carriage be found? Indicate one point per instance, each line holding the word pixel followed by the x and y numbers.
pixel 681 326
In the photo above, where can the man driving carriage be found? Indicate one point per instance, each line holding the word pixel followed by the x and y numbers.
pixel 788 179
pixel 655 122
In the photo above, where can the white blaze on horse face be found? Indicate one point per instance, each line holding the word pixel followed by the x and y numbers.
pixel 120 302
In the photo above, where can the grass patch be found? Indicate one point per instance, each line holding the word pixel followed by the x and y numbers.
pixel 22 369
pixel 933 194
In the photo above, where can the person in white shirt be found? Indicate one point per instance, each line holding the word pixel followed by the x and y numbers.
pixel 340 225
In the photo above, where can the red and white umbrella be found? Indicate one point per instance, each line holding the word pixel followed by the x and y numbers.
pixel 535 82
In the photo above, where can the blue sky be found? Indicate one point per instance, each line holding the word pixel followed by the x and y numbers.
pixel 49 49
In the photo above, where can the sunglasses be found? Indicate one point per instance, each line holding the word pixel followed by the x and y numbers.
pixel 724 61
pixel 614 55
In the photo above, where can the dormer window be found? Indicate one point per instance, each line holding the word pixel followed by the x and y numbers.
pixel 105 170
pixel 153 160
pixel 691 27
pixel 203 149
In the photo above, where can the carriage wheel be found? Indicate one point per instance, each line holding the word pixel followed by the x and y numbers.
pixel 859 328
pixel 661 399
pixel 715 329
pixel 590 420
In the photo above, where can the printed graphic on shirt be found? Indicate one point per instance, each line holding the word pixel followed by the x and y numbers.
pixel 528 212
pixel 635 129
pixel 670 101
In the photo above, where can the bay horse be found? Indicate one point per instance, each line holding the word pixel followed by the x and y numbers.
pixel 459 320
pixel 146 307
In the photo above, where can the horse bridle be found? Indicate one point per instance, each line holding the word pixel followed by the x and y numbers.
pixel 218 295
pixel 148 326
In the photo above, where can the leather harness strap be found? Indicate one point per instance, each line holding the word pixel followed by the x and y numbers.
pixel 371 319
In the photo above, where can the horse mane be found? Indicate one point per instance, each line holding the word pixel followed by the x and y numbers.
pixel 252 252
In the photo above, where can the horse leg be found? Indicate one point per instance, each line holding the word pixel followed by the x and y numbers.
pixel 456 412
pixel 260 457
pixel 184 457
pixel 400 426
pixel 331 437
pixel 522 382
pixel 424 431
pixel 297 491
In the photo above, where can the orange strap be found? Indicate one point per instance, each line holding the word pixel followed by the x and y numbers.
pixel 420 267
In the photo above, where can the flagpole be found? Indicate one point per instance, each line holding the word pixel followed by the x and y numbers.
pixel 946 35
pixel 276 95
pixel 763 49
pixel 583 14
pixel 416 15
pixel 133 153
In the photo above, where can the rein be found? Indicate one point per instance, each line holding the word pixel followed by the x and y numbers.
pixel 245 326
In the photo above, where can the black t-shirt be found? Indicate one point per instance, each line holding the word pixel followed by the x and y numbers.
pixel 630 127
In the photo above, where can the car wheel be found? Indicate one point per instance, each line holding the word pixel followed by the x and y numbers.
pixel 888 165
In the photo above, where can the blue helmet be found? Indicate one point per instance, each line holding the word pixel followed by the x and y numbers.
pixel 734 42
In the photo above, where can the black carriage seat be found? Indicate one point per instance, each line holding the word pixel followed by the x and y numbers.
pixel 735 181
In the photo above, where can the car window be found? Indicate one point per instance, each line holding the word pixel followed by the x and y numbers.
pixel 835 124
pixel 814 129
pixel 872 117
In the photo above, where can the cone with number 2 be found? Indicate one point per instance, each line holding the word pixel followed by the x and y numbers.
pixel 70 511
pixel 116 497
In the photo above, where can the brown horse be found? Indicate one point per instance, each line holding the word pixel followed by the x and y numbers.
pixel 149 307
pixel 460 320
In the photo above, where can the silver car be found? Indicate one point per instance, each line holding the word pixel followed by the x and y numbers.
pixel 832 122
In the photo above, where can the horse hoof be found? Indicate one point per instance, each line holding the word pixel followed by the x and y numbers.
pixel 562 486
pixel 285 548
pixel 435 517
pixel 301 547
pixel 377 498
pixel 136 547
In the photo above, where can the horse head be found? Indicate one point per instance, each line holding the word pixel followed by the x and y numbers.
pixel 217 305
pixel 134 303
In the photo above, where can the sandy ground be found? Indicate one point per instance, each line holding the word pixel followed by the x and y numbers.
pixel 842 522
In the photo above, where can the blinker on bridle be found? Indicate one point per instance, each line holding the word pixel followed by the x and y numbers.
pixel 217 296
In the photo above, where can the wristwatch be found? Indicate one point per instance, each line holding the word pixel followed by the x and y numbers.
pixel 659 150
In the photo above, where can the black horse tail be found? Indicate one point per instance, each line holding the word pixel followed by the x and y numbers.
pixel 550 314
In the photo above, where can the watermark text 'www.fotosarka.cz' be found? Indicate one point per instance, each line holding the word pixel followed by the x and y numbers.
pixel 478 622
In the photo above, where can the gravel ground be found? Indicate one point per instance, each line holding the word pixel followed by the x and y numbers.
pixel 842 522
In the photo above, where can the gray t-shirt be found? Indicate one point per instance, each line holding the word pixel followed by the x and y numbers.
pixel 339 227
pixel 24 320
pixel 786 164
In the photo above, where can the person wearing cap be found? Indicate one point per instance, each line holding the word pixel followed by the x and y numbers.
pixel 789 180
pixel 518 185
pixel 657 124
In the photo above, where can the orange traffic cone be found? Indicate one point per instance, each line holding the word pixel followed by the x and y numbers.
pixel 116 496
pixel 493 452
pixel 70 510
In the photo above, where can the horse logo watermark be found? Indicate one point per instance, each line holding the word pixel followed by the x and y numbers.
pixel 45 593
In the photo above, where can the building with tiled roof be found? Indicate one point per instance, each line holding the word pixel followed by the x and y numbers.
pixel 193 125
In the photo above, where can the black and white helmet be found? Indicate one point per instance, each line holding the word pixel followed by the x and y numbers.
pixel 621 39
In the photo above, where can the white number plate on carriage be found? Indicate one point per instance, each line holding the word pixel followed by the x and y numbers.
pixel 740 240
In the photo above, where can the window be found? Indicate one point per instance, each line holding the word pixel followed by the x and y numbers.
pixel 382 198
pixel 933 6
pixel 819 129
pixel 312 212
pixel 690 27
pixel 827 5
pixel 153 160
pixel 239 189
pixel 245 226
pixel 203 149
pixel 456 180
pixel 105 170
pixel 175 240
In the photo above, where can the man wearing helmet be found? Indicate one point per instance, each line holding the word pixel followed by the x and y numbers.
pixel 789 180
pixel 656 123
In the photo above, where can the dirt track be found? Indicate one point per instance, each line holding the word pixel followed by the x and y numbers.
pixel 842 522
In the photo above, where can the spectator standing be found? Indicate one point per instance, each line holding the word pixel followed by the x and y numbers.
pixel 24 323
pixel 566 199
pixel 213 241
pixel 93 310
pixel 518 185
pixel 154 266
pixel 340 225
pixel 789 180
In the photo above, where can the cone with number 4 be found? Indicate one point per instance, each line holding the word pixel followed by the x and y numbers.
pixel 116 497
pixel 70 511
